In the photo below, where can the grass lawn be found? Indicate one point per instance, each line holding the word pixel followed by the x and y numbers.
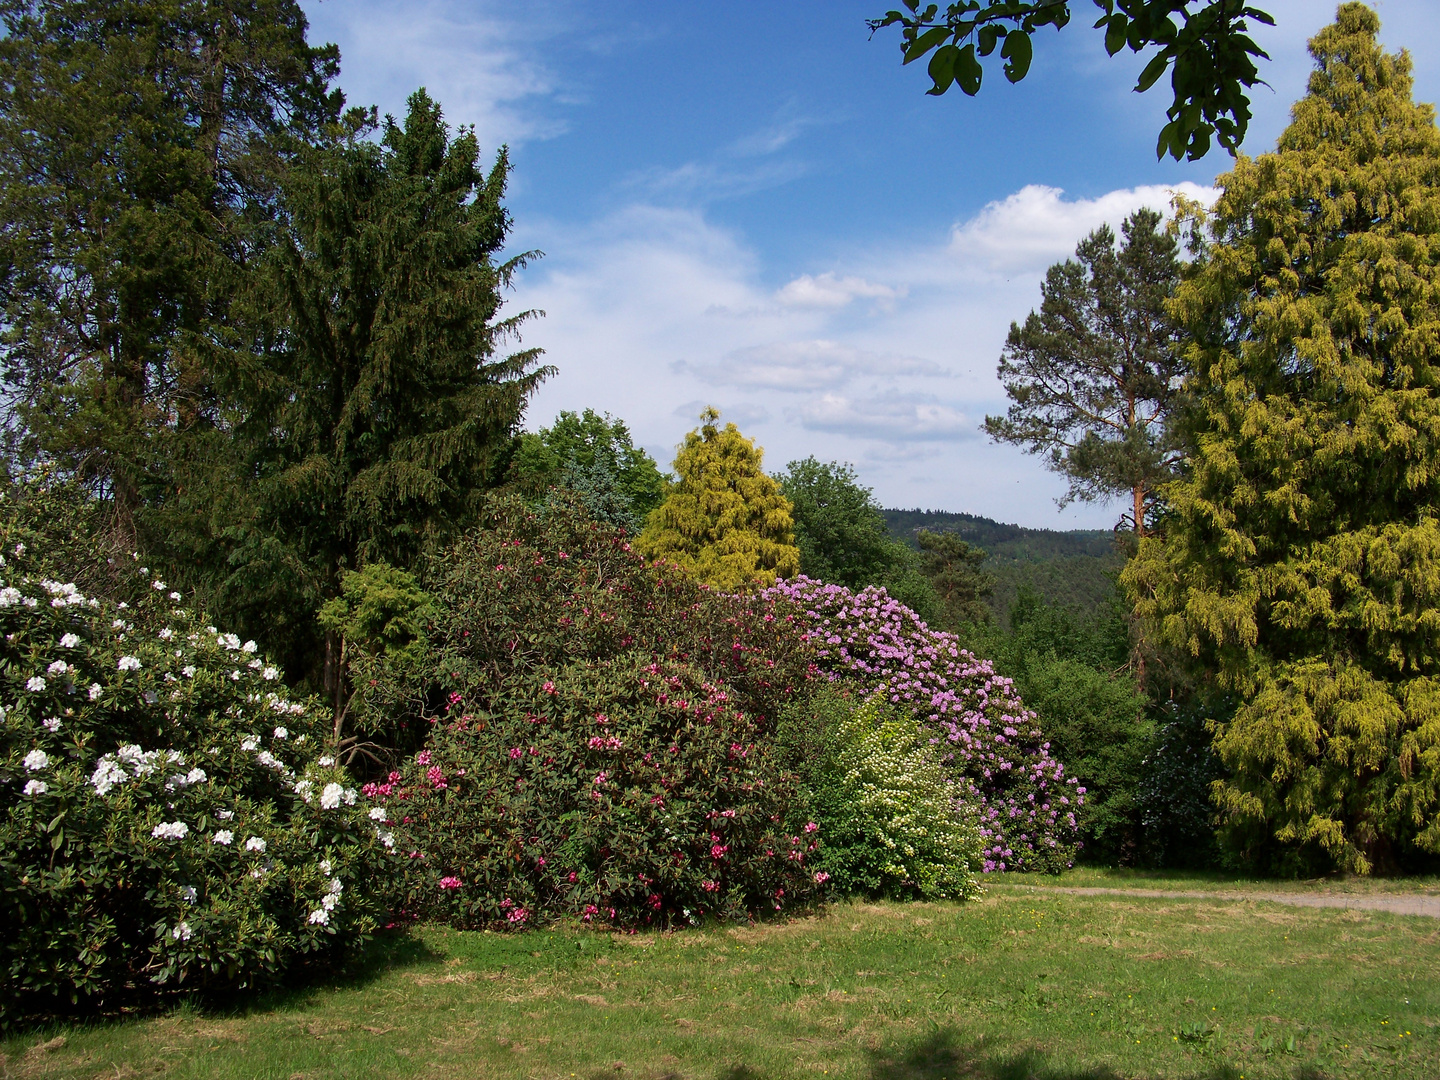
pixel 1020 985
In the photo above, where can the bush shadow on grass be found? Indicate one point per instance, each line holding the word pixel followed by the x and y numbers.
pixel 382 954
pixel 945 1055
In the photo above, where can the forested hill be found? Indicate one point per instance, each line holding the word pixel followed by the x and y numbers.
pixel 1072 568
pixel 1003 543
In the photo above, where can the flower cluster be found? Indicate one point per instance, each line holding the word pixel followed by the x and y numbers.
pixel 1026 805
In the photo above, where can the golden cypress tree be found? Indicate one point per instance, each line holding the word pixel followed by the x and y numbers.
pixel 723 519
pixel 1301 556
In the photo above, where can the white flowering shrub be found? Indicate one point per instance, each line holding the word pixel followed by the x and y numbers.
pixel 893 820
pixel 169 817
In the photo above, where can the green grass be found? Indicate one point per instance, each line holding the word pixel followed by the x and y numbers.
pixel 1212 882
pixel 1020 985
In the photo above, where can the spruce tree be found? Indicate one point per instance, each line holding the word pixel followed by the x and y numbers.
pixel 1301 556
pixel 382 404
pixel 723 519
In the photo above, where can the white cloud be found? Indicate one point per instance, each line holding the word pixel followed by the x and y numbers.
pixel 829 291
pixel 1037 225
pixel 891 416
pixel 804 365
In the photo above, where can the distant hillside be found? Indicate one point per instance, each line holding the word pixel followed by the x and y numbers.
pixel 1073 568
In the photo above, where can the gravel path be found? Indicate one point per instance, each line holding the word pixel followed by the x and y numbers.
pixel 1397 904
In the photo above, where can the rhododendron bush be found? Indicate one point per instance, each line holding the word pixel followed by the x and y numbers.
pixel 1026 806
pixel 598 736
pixel 168 816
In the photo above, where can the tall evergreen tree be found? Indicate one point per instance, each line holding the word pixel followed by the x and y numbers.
pixel 140 147
pixel 383 403
pixel 1093 375
pixel 1301 557
pixel 723 519
pixel 953 567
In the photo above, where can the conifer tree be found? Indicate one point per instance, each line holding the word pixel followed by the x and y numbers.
pixel 723 519
pixel 953 567
pixel 383 404
pixel 141 143
pixel 1301 557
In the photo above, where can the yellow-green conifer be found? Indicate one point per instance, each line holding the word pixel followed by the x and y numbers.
pixel 723 519
pixel 1301 557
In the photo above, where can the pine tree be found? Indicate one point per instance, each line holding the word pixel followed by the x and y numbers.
pixel 141 142
pixel 1301 556
pixel 723 519
pixel 1093 375
pixel 953 567
pixel 382 405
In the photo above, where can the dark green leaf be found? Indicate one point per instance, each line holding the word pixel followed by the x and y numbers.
pixel 1115 34
pixel 1017 49
pixel 925 42
pixel 988 37
pixel 1153 70
pixel 942 68
pixel 968 71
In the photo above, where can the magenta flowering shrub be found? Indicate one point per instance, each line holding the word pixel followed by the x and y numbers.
pixel 1026 805
pixel 623 792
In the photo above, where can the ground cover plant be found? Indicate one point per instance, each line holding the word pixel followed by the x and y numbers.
pixel 1027 807
pixel 597 735
pixel 169 815
pixel 1020 985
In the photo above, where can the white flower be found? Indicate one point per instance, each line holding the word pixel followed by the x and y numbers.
pixel 35 684
pixel 325 867
pixel 249 646
pixel 336 885
pixel 51 725
pixel 181 932
pixel 36 787
pixel 328 901
pixel 58 667
pixel 107 774
pixel 326 761
pixel 331 795
pixel 95 691
pixel 235 675
pixel 270 761
pixel 166 634
pixel 300 739
pixel 350 795
pixel 122 605
pixel 225 815
pixel 188 671
pixel 171 830
pixel 254 665
pixel 270 673
pixel 174 596
pixel 36 760
pixel 224 836
pixel 129 663
pixel 19 549
pixel 386 837
pixel 230 641
pixel 9 596
pixel 159 586
pixel 303 789
pixel 250 742
pixel 188 894
pixel 281 733
pixel 117 624
pixel 377 813
pixel 69 641
pixel 30 601
pixel 255 844
pixel 320 916
pixel 196 776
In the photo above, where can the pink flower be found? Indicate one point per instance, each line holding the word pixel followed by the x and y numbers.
pixel 422 758
pixel 449 883
pixel 810 826
pixel 516 753
pixel 821 878
pixel 436 777
pixel 709 886
pixel 518 915
pixel 549 687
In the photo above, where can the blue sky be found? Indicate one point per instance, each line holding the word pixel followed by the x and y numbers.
pixel 754 206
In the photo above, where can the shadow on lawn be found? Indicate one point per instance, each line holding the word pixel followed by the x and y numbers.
pixel 943 1055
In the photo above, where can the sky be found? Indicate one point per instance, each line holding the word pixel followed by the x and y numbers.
pixel 752 205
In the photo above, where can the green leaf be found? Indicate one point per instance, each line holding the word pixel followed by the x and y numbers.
pixel 925 42
pixel 942 68
pixel 989 37
pixel 1115 34
pixel 968 71
pixel 1017 49
pixel 1153 70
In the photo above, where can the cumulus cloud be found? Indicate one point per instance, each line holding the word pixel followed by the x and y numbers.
pixel 804 366
pixel 829 291
pixel 1037 225
pixel 891 416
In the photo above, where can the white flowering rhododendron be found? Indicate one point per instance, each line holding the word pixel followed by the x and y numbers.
pixel 126 716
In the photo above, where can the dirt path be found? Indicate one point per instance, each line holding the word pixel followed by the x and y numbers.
pixel 1397 904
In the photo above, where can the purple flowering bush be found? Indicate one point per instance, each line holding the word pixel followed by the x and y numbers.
pixel 169 816
pixel 1026 805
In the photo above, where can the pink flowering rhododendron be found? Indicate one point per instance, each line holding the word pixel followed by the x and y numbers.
pixel 980 726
